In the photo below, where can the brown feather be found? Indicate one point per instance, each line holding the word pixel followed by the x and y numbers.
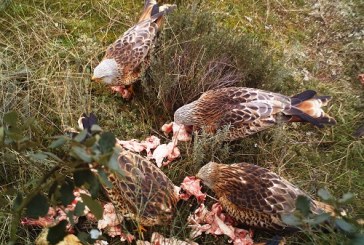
pixel 253 195
pixel 144 192
pixel 132 49
pixel 247 110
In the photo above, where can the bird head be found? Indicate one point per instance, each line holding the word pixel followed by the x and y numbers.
pixel 106 71
pixel 184 114
pixel 206 174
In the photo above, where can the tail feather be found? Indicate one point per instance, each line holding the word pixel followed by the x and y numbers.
pixel 298 98
pixel 86 122
pixel 306 107
pixel 155 12
pixel 300 116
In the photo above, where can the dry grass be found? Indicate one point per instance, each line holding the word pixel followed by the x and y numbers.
pixel 48 50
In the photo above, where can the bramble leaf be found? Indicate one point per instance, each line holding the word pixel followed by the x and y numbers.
pixel 303 205
pixel 324 194
pixel 79 209
pixel 58 142
pixel 38 156
pixel 66 192
pixel 81 154
pixel 291 219
pixel 81 136
pixel 37 207
pixel 57 232
pixel 346 197
pixel 103 178
pixel 107 142
pixel 320 218
pixel 345 226
pixel 94 206
pixel 86 178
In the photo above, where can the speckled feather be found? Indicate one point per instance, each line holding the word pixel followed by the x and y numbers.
pixel 253 195
pixel 145 192
pixel 245 110
pixel 131 50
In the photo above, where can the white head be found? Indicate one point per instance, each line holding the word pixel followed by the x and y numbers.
pixel 206 174
pixel 106 71
pixel 184 115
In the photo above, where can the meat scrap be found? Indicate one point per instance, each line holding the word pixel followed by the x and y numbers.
pixel 180 132
pixel 191 186
pixel 216 222
pixel 165 151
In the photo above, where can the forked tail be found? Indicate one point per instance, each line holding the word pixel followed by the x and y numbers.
pixel 306 107
pixel 155 12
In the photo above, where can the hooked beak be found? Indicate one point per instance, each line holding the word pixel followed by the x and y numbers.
pixel 96 79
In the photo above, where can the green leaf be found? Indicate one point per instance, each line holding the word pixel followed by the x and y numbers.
pixel 57 232
pixel 58 142
pixel 96 128
pixel 86 178
pixel 84 237
pixel 39 156
pixel 291 219
pixel 81 136
pixel 66 191
pixel 81 154
pixel 346 197
pixel 345 226
pixel 320 218
pixel 79 209
pixel 11 118
pixel 89 142
pixel 94 206
pixel 358 239
pixel 70 215
pixel 55 157
pixel 37 207
pixel 81 175
pixel 17 202
pixel 103 178
pixel 324 194
pixel 303 205
pixel 107 142
pixel 113 163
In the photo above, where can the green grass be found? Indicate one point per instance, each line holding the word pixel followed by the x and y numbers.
pixel 48 51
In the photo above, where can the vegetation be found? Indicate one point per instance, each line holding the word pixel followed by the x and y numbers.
pixel 48 50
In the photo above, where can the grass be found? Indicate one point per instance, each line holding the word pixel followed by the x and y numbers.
pixel 48 50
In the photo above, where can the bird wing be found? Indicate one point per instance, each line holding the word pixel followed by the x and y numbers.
pixel 246 105
pixel 131 49
pixel 146 189
pixel 252 187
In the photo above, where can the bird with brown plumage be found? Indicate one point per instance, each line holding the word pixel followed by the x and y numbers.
pixel 247 111
pixel 254 195
pixel 144 193
pixel 126 58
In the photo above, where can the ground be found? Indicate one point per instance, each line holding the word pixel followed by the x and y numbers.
pixel 49 49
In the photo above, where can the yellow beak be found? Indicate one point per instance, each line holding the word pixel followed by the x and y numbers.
pixel 94 78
